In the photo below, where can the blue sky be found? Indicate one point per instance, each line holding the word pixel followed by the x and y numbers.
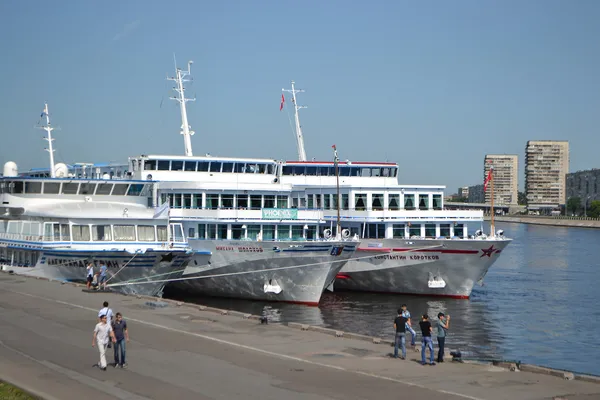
pixel 433 86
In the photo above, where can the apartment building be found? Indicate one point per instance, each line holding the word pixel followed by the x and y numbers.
pixel 506 183
pixel 546 167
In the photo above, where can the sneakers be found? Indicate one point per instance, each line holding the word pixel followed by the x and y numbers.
pixel 124 365
pixel 117 365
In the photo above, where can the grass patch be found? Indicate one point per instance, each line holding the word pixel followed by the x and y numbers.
pixel 10 392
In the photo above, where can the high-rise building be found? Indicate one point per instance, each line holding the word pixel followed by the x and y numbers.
pixel 546 167
pixel 506 184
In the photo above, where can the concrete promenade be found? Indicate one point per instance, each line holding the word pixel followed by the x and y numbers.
pixel 183 352
pixel 549 221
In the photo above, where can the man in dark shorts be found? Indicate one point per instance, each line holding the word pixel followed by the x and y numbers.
pixel 426 342
pixel 400 327
pixel 121 336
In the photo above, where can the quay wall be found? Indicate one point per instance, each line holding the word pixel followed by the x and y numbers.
pixel 550 221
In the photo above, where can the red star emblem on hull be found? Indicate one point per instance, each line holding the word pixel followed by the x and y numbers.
pixel 489 252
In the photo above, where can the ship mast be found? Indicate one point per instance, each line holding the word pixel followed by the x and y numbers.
pixel 299 137
pixel 336 160
pixel 48 128
pixel 179 79
pixel 493 230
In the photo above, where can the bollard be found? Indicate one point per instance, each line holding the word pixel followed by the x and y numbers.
pixel 304 327
pixel 376 340
pixel 568 376
pixel 247 316
pixel 339 334
pixel 179 303
pixel 224 312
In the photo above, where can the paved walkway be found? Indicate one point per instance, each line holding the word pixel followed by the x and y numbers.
pixel 181 352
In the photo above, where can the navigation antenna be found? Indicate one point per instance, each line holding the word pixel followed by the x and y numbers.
pixel 186 131
pixel 336 160
pixel 48 128
pixel 299 137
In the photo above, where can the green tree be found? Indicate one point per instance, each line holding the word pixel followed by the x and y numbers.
pixel 522 199
pixel 594 209
pixel 573 205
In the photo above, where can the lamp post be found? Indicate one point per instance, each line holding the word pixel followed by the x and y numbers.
pixel 585 206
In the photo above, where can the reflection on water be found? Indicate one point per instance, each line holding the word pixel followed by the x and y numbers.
pixel 536 300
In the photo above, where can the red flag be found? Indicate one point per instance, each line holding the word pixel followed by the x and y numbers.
pixel 282 101
pixel 488 179
pixel 333 147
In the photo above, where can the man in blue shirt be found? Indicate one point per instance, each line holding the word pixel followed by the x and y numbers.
pixel 406 314
pixel 103 269
pixel 442 327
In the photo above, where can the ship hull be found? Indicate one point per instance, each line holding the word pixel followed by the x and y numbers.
pixel 142 274
pixel 293 272
pixel 448 268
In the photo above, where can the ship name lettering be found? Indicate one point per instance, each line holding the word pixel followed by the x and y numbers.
pixel 250 249
pixel 422 257
pixel 225 248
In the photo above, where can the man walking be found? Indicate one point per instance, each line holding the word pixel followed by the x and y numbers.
pixel 413 334
pixel 400 327
pixel 102 333
pixel 108 313
pixel 121 336
pixel 426 341
pixel 442 328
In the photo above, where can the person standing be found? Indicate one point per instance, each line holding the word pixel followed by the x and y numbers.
pixel 413 334
pixel 426 342
pixel 400 327
pixel 103 269
pixel 121 336
pixel 108 313
pixel 102 334
pixel 90 275
pixel 442 329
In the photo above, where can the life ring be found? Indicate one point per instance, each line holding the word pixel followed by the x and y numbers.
pixel 327 233
pixel 345 233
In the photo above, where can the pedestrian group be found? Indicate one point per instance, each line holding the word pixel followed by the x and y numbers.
pixel 110 331
pixel 403 324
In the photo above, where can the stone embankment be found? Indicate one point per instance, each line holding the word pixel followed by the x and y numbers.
pixel 551 221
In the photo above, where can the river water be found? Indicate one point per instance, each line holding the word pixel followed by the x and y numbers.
pixel 538 305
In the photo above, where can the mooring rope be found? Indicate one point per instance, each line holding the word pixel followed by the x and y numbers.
pixel 131 282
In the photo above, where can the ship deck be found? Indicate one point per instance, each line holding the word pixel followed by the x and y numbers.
pixel 188 351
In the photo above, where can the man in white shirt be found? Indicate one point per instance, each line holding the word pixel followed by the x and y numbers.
pixel 102 334
pixel 109 315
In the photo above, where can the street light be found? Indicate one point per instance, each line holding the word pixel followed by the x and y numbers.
pixel 585 206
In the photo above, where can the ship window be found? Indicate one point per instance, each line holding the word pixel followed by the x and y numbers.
pixel 262 168
pixel 125 233
pixel 120 190
pixel 33 187
pixel 227 167
pixel 398 230
pixel 282 202
pixel 239 167
pixel 437 201
pixel 212 201
pixel 187 200
pixel 360 201
pixel 163 165
pixel 409 201
pixel 237 232
pixel 375 231
pixel 215 166
pixel 311 171
pixel 458 230
pixel 70 188
pixel 242 201
pixel 101 233
pixel 430 230
pixel 377 201
pixel 345 201
pixel 255 202
pixel 344 171
pixel 146 233
pixel 297 232
pixel 81 233
pixel 177 232
pixel 268 232
pixel 269 202
pixel 324 171
pixel 161 232
pixel 270 169
pixel 299 170
pixel 354 171
pixel 203 166
pixel 394 201
pixel 190 166
pixel 365 172
pixel 423 202
pixel 201 231
pixel 222 231
pixel 65 232
pixel 87 188
pixel 327 202
pixel 176 165
pixel 197 201
pixel 104 188
pixel 375 171
pixel 227 201
pixel 394 172
pixel 253 231
pixel 287 170
pixel 310 202
pixel 150 165
pixel 445 230
pixel 211 232
pixel 135 189
pixel 414 230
